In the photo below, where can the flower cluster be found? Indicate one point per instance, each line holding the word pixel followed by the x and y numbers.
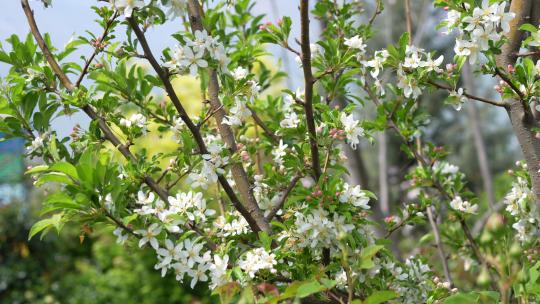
pixel 521 205
pixel 240 111
pixel 38 142
pixel 256 260
pixel 486 24
pixel 415 58
pixel 279 152
pixel 317 229
pixel 459 204
pixel 290 118
pixel 212 165
pixel 136 120
pixel 191 56
pixel 237 225
pixel 411 280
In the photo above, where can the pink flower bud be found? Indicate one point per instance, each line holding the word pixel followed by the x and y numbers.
pixel 510 69
pixel 245 155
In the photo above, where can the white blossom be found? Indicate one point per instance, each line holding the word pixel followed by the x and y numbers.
pixel 193 60
pixel 135 120
pixel 256 260
pixel 126 7
pixel 38 142
pixel 458 97
pixel 176 8
pixel 218 271
pixel 279 152
pixel 198 274
pixel 355 196
pixel 239 73
pixel 149 235
pixel 352 129
pixel 356 42
pixel 459 204
pixel 145 199
pixel 120 236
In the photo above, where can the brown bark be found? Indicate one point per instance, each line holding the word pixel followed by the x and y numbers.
pixel 237 169
pixel 520 115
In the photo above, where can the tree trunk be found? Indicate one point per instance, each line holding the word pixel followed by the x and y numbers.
pixel 520 115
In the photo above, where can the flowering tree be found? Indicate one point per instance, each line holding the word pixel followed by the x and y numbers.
pixel 251 199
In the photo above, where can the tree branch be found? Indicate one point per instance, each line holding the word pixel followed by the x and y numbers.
pixel 275 138
pixel 283 199
pixel 470 96
pixel 308 99
pixel 97 49
pixel 163 75
pixel 439 243
pixel 308 90
pixel 237 169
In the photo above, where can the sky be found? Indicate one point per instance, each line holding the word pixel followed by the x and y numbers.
pixel 67 18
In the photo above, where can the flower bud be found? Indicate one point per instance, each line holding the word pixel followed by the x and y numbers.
pixel 511 69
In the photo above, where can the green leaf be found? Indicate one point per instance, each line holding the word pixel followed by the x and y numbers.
pixel 66 168
pixel 265 240
pixel 367 255
pixel 37 169
pixel 380 296
pixel 404 41
pixel 473 298
pixel 309 288
pixel 54 177
pixel 38 227
pixel 529 28
pixel 53 148
pixel 45 224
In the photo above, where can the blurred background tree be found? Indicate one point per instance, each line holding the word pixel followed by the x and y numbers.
pixel 76 269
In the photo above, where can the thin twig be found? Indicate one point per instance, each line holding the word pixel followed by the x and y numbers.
pixel 377 12
pixel 212 112
pixel 439 244
pixel 470 96
pixel 408 15
pixel 263 126
pixel 97 49
pixel 508 81
pixel 283 199
pixel 286 45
